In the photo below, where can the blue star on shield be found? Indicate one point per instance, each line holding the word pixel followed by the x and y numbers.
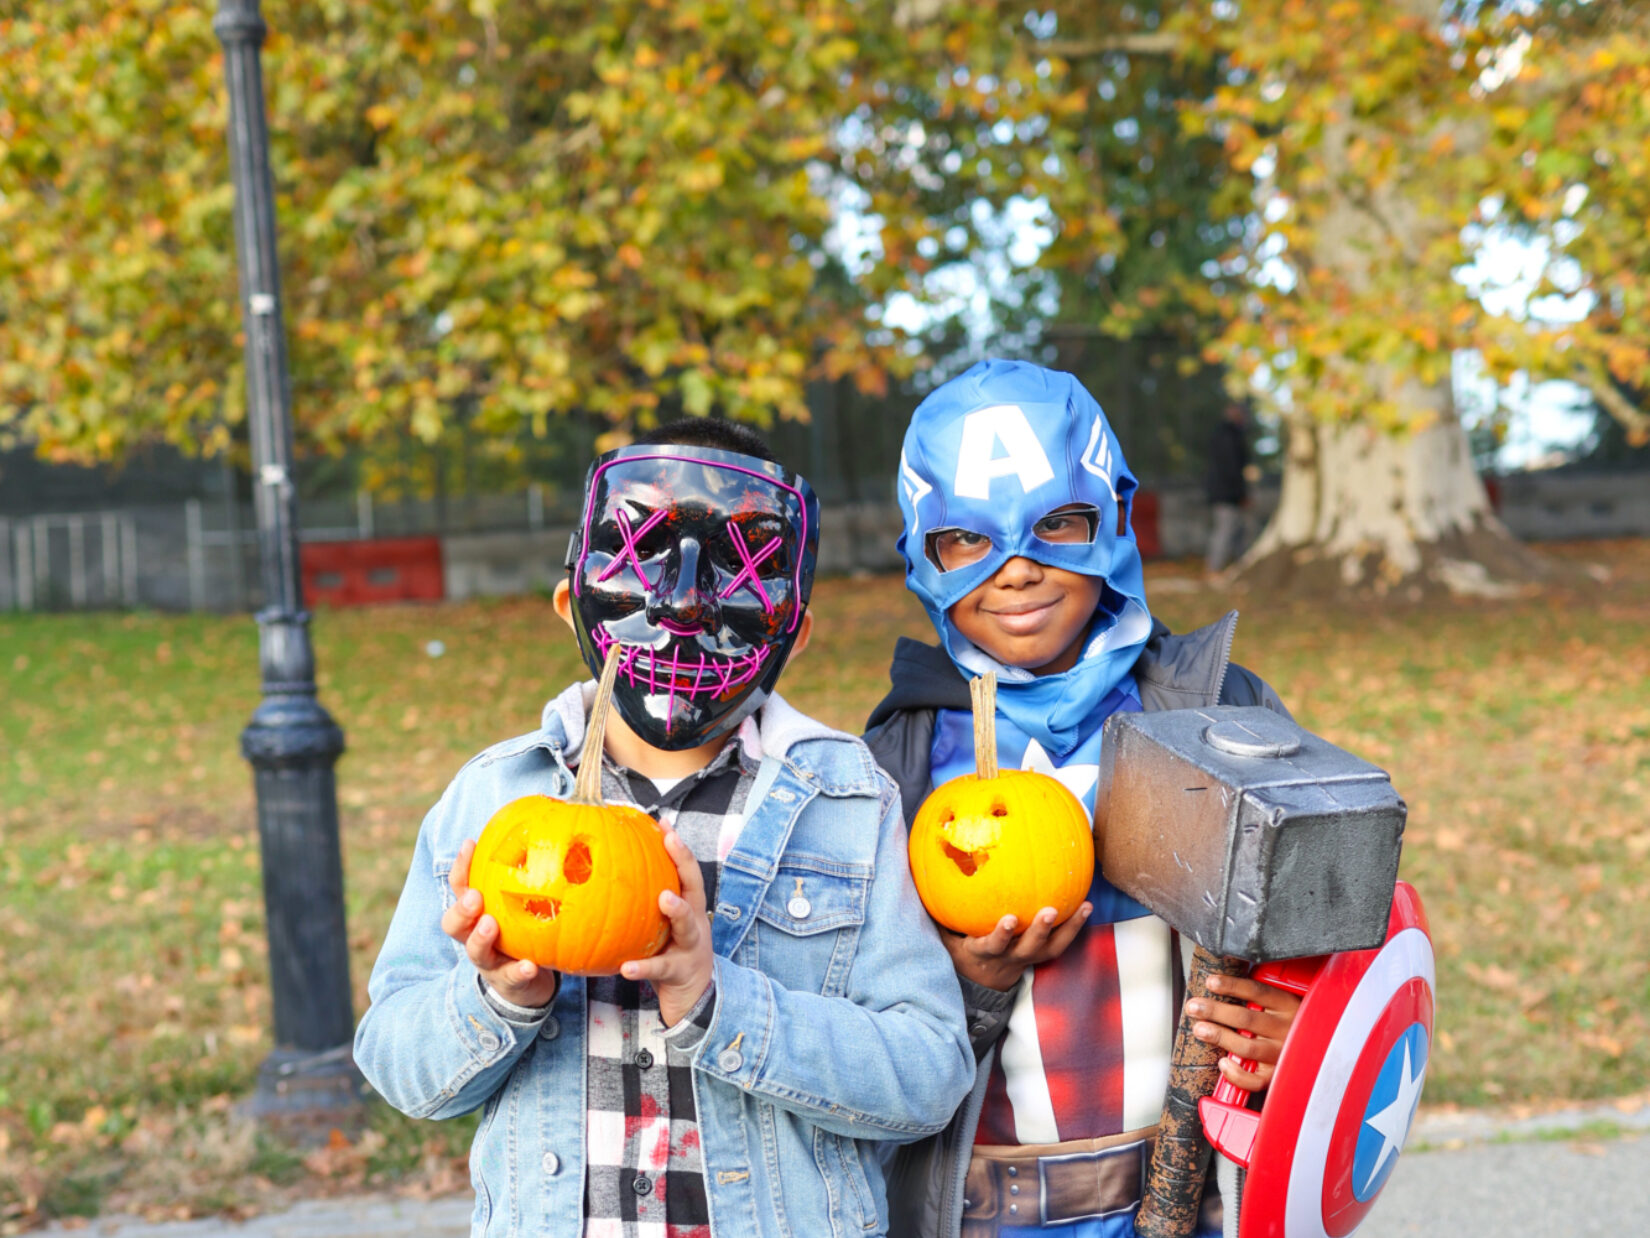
pixel 1388 1113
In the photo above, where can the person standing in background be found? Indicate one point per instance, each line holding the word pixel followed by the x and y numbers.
pixel 1227 486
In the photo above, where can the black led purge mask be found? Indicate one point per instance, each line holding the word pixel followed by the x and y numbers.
pixel 698 563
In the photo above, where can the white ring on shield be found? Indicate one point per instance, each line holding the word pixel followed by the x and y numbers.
pixel 1406 957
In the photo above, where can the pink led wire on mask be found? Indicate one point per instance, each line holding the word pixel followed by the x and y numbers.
pixel 749 570
pixel 628 550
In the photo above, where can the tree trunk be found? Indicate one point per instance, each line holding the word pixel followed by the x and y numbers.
pixel 1363 510
pixel 1390 515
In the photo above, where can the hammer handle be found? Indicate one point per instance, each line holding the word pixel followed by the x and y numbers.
pixel 1180 1159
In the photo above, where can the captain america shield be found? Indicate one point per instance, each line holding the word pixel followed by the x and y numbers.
pixel 1346 1087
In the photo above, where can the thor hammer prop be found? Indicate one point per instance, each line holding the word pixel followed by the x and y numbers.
pixel 1259 841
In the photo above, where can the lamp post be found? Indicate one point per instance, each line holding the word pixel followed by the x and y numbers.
pixel 310 1080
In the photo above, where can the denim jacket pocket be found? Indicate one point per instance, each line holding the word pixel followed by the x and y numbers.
pixel 808 926
pixel 839 1161
pixel 812 897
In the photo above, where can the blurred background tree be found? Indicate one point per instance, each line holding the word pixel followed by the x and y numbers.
pixel 500 219
pixel 529 207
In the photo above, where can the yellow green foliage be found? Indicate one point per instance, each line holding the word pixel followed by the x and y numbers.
pixel 624 206
pixel 544 206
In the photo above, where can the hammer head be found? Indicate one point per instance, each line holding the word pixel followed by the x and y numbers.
pixel 1247 833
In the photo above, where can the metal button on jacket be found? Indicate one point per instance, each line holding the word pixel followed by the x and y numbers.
pixel 551 1162
pixel 550 1028
pixel 487 1041
pixel 730 1060
pixel 799 907
pixel 644 1059
pixel 641 1185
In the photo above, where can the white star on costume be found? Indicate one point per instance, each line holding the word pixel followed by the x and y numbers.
pixel 1078 779
pixel 1392 1123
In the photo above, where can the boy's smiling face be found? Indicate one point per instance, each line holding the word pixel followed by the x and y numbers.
pixel 1030 615
pixel 1026 614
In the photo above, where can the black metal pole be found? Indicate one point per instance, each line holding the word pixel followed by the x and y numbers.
pixel 291 741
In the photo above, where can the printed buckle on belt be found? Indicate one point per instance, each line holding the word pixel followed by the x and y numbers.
pixel 1070 1162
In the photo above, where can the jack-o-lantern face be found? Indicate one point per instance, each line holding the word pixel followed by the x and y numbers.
pixel 574 887
pixel 984 848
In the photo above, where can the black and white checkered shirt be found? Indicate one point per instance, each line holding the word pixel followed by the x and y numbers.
pixel 645 1175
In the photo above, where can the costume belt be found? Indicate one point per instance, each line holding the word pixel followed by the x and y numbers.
pixel 1012 1186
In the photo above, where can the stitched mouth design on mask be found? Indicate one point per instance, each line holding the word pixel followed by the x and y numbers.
pixel 691 675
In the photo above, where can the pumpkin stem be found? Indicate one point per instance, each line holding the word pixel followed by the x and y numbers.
pixel 587 787
pixel 983 693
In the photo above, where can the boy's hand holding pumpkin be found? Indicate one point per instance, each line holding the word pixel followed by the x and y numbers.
pixel 515 980
pixel 682 971
pixel 999 959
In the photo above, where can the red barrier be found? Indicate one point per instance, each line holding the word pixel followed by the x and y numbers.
pixel 394 569
pixel 1144 521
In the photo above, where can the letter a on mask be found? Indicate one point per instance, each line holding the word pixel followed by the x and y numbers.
pixel 977 463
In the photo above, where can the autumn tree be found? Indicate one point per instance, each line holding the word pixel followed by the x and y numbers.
pixel 530 207
pixel 1384 144
pixel 621 208
pixel 1369 152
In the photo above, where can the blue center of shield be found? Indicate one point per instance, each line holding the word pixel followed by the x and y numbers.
pixel 1388 1113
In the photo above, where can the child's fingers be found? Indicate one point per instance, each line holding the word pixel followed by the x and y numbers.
pixel 1255 1048
pixel 1035 939
pixel 1063 934
pixel 482 946
pixel 687 868
pixel 519 972
pixel 1263 1024
pixel 1248 1080
pixel 459 875
pixel 687 926
pixel 459 920
pixel 1263 995
pixel 660 969
pixel 998 942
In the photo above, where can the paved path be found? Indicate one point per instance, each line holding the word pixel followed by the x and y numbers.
pixel 1457 1183
pixel 1581 1189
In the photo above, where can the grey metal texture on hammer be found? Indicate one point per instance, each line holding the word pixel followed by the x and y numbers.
pixel 1248 833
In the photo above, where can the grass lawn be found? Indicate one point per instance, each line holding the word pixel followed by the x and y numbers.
pixel 133 994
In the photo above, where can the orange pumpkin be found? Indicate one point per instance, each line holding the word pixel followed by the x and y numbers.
pixel 574 884
pixel 992 843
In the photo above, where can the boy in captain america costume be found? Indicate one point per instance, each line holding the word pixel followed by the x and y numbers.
pixel 1016 502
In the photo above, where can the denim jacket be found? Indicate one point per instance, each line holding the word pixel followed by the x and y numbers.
pixel 837 1017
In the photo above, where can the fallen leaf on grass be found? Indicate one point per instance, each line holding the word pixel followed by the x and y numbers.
pixel 343 1161
pixel 1606 1044
pixel 1494 976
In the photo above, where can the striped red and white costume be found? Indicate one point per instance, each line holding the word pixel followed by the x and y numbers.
pixel 1086 1053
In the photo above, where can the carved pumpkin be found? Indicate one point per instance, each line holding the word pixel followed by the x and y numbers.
pixel 990 844
pixel 574 884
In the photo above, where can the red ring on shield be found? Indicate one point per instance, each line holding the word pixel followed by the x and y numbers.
pixel 1361 1004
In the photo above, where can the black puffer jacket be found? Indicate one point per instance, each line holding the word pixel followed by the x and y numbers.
pixel 925 1179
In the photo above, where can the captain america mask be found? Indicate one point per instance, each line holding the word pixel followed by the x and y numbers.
pixel 697 562
pixel 1010 460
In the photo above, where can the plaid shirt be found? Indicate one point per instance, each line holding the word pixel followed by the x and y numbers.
pixel 645 1175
